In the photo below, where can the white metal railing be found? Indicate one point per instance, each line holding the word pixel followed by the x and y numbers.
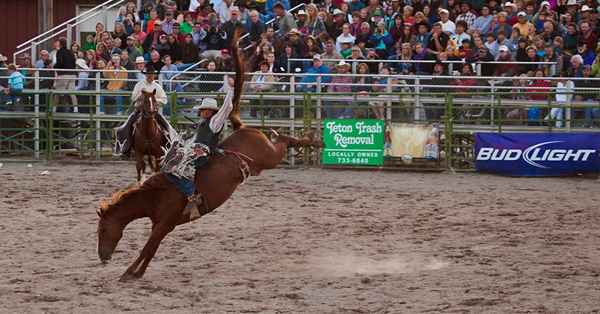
pixel 450 63
pixel 67 26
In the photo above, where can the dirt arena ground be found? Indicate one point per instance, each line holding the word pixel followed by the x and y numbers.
pixel 309 241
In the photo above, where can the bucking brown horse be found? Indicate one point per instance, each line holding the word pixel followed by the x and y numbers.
pixel 247 151
pixel 148 137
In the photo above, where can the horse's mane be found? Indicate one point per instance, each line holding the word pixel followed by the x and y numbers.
pixel 117 196
pixel 154 182
pixel 238 66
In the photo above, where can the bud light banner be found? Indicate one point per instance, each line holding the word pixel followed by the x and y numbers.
pixel 537 154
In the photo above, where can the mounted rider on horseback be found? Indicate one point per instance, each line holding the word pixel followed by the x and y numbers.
pixel 185 157
pixel 124 133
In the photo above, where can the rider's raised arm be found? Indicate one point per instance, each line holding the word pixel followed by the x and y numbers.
pixel 217 122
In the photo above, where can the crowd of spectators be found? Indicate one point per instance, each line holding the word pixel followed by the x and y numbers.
pixel 372 36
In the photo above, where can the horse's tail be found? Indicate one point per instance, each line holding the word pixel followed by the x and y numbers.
pixel 238 66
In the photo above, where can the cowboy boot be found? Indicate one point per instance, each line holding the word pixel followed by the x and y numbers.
pixel 194 207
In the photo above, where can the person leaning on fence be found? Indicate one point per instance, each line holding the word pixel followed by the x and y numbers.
pixel 124 133
pixel 65 80
pixel 564 92
pixel 340 84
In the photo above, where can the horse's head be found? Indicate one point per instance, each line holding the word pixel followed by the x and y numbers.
pixel 149 107
pixel 109 233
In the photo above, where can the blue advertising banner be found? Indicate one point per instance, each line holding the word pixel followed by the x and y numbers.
pixel 537 154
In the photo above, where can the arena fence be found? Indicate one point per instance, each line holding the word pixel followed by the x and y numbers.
pixel 42 125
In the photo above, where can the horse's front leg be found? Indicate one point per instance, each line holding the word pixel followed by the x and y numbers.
pixel 139 165
pixel 137 269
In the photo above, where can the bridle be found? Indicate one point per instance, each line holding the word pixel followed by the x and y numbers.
pixel 152 109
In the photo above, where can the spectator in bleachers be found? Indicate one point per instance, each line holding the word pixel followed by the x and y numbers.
pixel 317 70
pixel 132 51
pixel 117 79
pixel 16 83
pixel 121 35
pixel 167 72
pixel 340 84
pixel 344 37
pixel 330 53
pixel 44 56
pixel 83 82
pixel 89 44
pixel 125 61
pixel 284 20
pixel 576 66
pixel 540 94
pixel 168 23
pixel 230 26
pixel 214 39
pixel 155 60
pixel 138 33
pixel 315 24
pixel 140 65
pixel 483 22
pixel 448 26
pixel 254 27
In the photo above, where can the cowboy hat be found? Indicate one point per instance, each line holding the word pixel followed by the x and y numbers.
pixel 294 31
pixel 81 63
pixel 207 104
pixel 342 64
pixel 149 70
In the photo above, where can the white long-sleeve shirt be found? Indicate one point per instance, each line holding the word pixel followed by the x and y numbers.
pixel 160 96
pixel 218 120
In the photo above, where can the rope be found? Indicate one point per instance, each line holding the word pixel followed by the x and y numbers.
pixel 244 167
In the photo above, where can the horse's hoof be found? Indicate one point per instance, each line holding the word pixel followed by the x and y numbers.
pixel 127 277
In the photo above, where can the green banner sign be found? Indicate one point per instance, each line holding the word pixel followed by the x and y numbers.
pixel 353 142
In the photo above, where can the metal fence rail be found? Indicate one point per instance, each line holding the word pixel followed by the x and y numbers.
pixel 44 129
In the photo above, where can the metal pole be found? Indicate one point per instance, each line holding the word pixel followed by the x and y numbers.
pixel 69 35
pixel 33 52
pixel 36 120
pixel 319 101
pixel 568 109
pixel 388 90
pixel 98 123
pixel 292 117
pixel 49 136
pixel 105 18
pixel 492 109
pixel 418 106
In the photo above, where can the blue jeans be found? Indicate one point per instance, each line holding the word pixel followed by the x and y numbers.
pixel 591 114
pixel 118 101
